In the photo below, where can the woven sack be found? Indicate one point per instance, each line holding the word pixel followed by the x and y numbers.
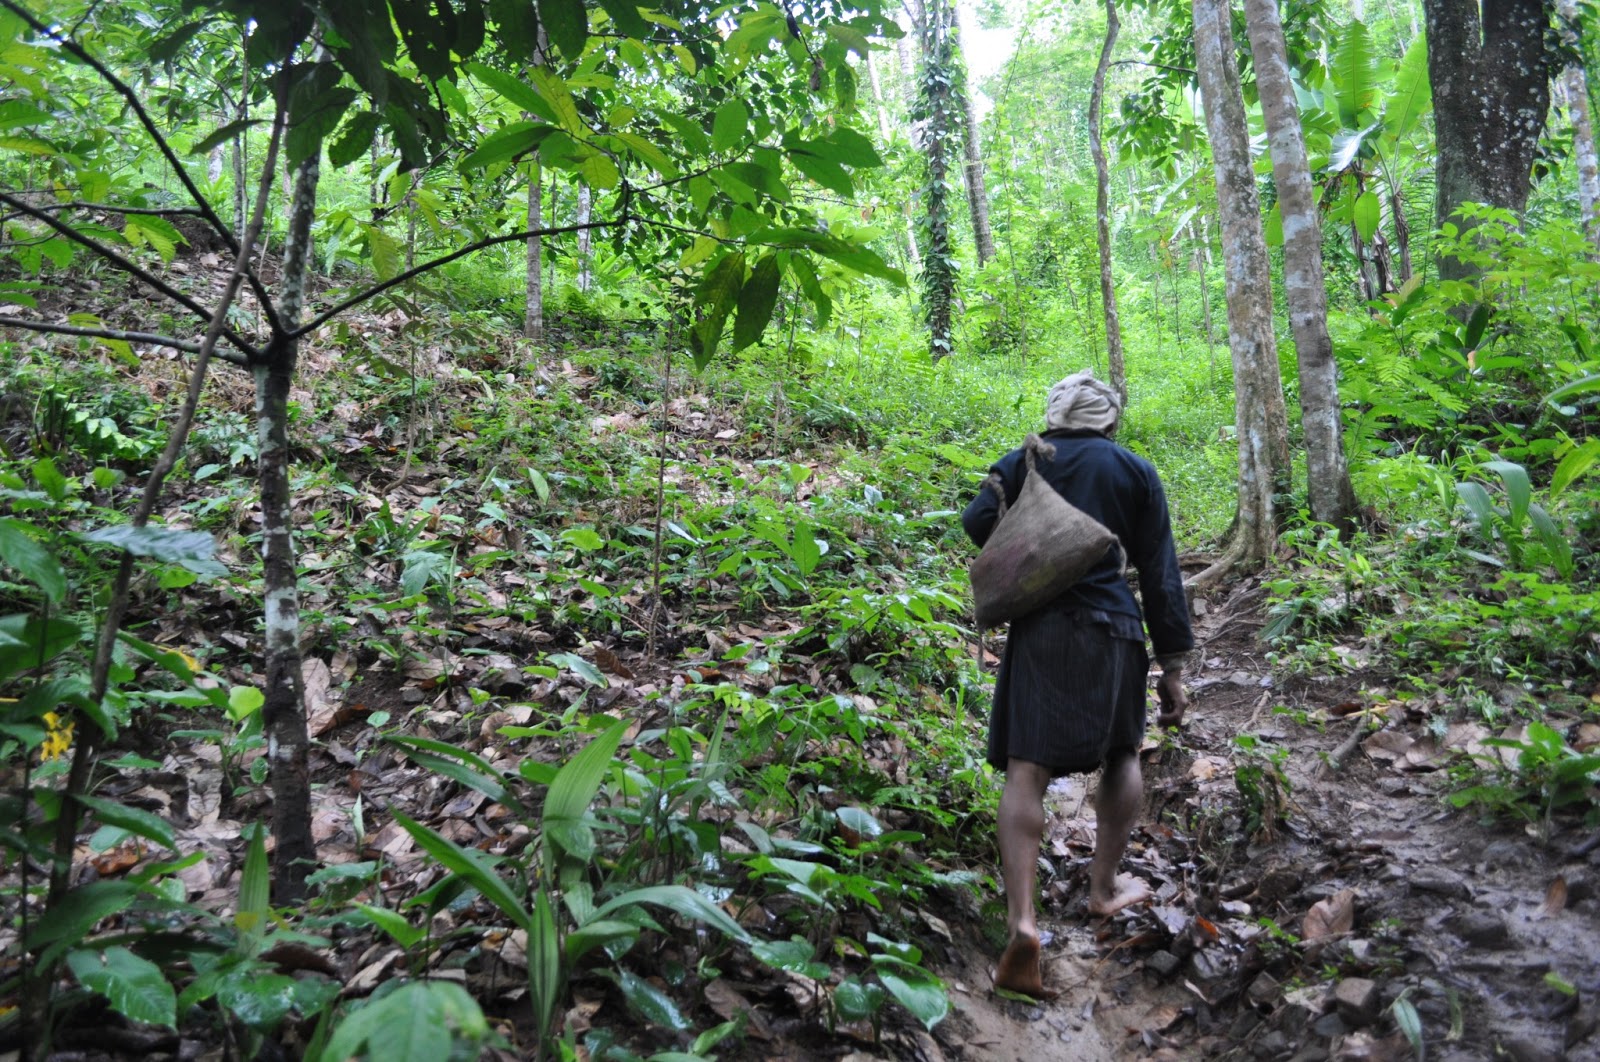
pixel 1040 547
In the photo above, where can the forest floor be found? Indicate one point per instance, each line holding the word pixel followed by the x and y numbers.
pixel 1303 909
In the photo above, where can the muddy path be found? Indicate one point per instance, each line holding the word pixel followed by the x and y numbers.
pixel 1303 909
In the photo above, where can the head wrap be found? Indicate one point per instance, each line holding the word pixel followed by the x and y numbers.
pixel 1082 403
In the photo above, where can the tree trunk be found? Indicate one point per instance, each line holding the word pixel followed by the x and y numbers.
pixel 1576 83
pixel 1328 487
pixel 977 192
pixel 283 714
pixel 937 107
pixel 1491 91
pixel 585 240
pixel 1262 422
pixel 1402 232
pixel 1102 207
pixel 533 318
pixel 913 255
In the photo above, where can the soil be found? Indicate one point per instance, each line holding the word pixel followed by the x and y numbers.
pixel 1486 931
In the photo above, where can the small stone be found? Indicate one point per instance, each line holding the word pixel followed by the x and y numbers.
pixel 1357 1001
pixel 1524 1049
pixel 1330 1025
pixel 1243 1025
pixel 1439 881
pixel 1312 1052
pixel 1208 965
pixel 1163 963
pixel 1482 929
pixel 1264 990
pixel 1273 1044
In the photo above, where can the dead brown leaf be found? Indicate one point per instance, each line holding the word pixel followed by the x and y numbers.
pixel 607 661
pixel 1555 898
pixel 1332 917
pixel 123 857
pixel 1388 745
pixel 728 1003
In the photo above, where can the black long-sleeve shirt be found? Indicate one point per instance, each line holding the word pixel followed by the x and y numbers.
pixel 1121 490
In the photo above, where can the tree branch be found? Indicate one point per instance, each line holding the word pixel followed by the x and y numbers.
pixel 1156 66
pixel 124 90
pixel 192 212
pixel 461 252
pixel 151 338
pixel 125 264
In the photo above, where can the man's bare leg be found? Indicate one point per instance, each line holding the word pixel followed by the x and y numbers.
pixel 1021 824
pixel 1116 808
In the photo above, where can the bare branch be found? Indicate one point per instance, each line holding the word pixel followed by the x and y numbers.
pixel 460 252
pixel 124 263
pixel 187 346
pixel 123 89
pixel 192 212
pixel 1155 66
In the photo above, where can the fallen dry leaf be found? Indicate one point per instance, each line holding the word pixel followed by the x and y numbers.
pixel 124 856
pixel 607 661
pixel 322 708
pixel 1388 745
pixel 1555 898
pixel 1331 917
pixel 728 1003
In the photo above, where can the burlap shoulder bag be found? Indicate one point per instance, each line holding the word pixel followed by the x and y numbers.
pixel 1040 547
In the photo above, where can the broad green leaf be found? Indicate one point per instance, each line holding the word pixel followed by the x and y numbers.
pixel 757 299
pixel 544 962
pixel 514 89
pixel 19 112
pixel 243 702
pixel 856 1001
pixel 385 250
pixel 729 126
pixel 1477 500
pixel 135 987
pixel 420 567
pixel 356 139
pixel 1355 71
pixel 1366 215
pixel 556 93
pixel 599 934
pixel 471 865
pixel 135 820
pixel 223 135
pixel 393 923
pixel 694 138
pixel 795 955
pixel 260 1001
pixel 859 821
pixel 67 922
pixel 650 1003
pixel 849 147
pixel 156 233
pixel 626 18
pixel 601 173
pixel 419 1022
pixel 165 544
pixel 580 667
pixel 579 779
pixel 653 156
pixel 1584 386
pixel 567 24
pixel 1556 544
pixel 827 173
pixel 255 887
pixel 1412 96
pixel 458 765
pixel 518 138
pixel 918 991
pixel 1574 465
pixel 757 177
pixel 1519 489
pixel 680 900
pixel 26 641
pixel 714 299
pixel 29 559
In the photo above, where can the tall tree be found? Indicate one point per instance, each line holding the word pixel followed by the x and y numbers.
pixel 1576 83
pixel 939 112
pixel 1490 71
pixel 1327 475
pixel 972 145
pixel 1102 208
pixel 1261 419
pixel 533 316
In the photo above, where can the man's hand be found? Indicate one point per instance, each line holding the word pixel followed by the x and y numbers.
pixel 1174 701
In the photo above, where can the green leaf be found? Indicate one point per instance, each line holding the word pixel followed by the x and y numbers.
pixel 795 955
pixel 681 900
pixel 567 25
pixel 514 89
pixel 827 173
pixel 579 779
pixel 599 934
pixel 580 667
pixel 584 538
pixel 856 1001
pixel 1556 544
pixel 421 567
pixel 1585 385
pixel 385 250
pixel 859 821
pixel 135 987
pixel 356 139
pixel 650 1003
pixel 28 558
pixel 1412 96
pixel 471 865
pixel 1574 465
pixel 918 991
pixel 419 1022
pixel 653 156
pixel 393 923
pixel 134 820
pixel 458 765
pixel 544 962
pixel 729 126
pixel 67 922
pixel 757 177
pixel 847 146
pixel 1518 488
pixel 164 544
pixel 757 299
pixel 1477 500
pixel 1366 215
pixel 714 299
pixel 516 139
pixel 626 18
pixel 260 1001
pixel 223 135
pixel 559 96
pixel 255 887
pixel 1355 71
pixel 156 233
pixel 26 641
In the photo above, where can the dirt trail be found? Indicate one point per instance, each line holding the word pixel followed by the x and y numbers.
pixel 1485 934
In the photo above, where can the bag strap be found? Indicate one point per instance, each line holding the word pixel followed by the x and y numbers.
pixel 1032 446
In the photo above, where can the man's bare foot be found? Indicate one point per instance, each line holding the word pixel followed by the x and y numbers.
pixel 1019 968
pixel 1126 891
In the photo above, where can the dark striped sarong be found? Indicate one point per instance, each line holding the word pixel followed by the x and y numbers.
pixel 1071 690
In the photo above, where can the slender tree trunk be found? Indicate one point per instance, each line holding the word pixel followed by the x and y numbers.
pixel 977 191
pixel 1576 83
pixel 585 241
pixel 533 319
pixel 938 108
pixel 913 255
pixel 1262 422
pixel 1490 73
pixel 1402 232
pixel 1102 207
pixel 1327 476
pixel 283 714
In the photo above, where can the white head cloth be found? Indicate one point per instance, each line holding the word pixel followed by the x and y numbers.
pixel 1082 403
